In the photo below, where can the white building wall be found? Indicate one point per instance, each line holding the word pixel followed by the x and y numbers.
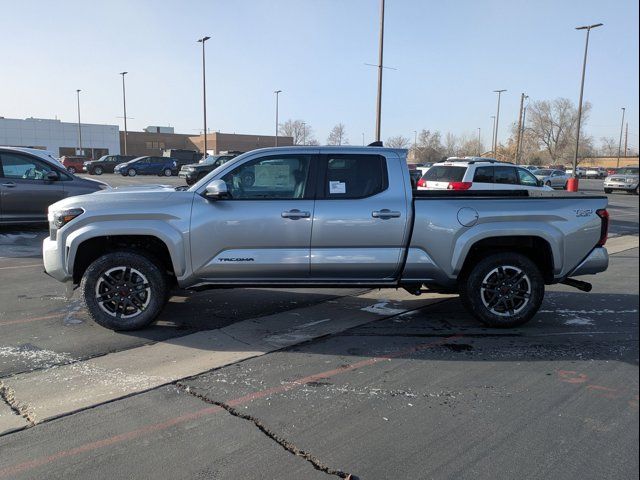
pixel 54 134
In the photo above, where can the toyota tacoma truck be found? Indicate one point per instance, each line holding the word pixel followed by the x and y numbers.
pixel 322 217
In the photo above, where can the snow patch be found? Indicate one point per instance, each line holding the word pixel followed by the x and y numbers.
pixel 382 309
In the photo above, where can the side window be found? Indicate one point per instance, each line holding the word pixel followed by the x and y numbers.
pixel 483 175
pixel 19 166
pixel 354 176
pixel 276 177
pixel 506 176
pixel 527 178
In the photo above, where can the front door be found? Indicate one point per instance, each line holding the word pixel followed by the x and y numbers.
pixel 360 220
pixel 25 191
pixel 262 232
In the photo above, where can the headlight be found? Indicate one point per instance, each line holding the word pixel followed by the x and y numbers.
pixel 608 179
pixel 190 169
pixel 631 180
pixel 62 217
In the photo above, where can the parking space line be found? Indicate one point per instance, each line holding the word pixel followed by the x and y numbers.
pixel 155 427
pixel 31 319
pixel 22 266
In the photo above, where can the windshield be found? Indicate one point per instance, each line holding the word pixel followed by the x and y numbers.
pixel 103 158
pixel 543 172
pixel 210 160
pixel 627 171
pixel 441 173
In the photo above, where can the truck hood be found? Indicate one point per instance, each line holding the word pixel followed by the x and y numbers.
pixel 121 198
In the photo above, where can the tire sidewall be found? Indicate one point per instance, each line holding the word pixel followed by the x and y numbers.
pixel 97 170
pixel 147 266
pixel 131 172
pixel 471 285
pixel 167 170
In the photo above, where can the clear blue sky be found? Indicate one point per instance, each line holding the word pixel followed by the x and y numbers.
pixel 449 57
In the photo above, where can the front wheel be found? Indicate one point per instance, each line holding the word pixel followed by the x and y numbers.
pixel 71 170
pixel 97 170
pixel 132 172
pixel 503 290
pixel 167 172
pixel 124 291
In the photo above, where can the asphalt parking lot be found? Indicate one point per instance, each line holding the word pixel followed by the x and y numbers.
pixel 300 383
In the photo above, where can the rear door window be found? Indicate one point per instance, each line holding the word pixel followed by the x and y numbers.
pixel 445 173
pixel 505 176
pixel 353 176
pixel 483 175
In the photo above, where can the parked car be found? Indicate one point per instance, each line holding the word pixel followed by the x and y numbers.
pixel 581 172
pixel 183 155
pixel 595 172
pixel 625 179
pixel 478 174
pixel 196 171
pixel 321 217
pixel 163 166
pixel 612 171
pixel 105 164
pixel 73 164
pixel 557 167
pixel 30 181
pixel 552 178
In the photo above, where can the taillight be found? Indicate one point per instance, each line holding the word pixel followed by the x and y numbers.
pixel 604 229
pixel 422 182
pixel 459 185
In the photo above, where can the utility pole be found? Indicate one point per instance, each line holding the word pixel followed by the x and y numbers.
pixel 277 92
pixel 517 157
pixel 524 126
pixel 495 134
pixel 478 149
pixel 204 95
pixel 626 138
pixel 572 184
pixel 620 141
pixel 79 125
pixel 380 58
pixel 124 104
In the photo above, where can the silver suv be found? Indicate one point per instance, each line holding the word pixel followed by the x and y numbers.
pixel 625 179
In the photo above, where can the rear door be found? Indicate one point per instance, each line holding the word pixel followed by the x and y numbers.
pixel 360 220
pixel 25 191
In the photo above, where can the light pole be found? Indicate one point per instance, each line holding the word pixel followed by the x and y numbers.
pixel 495 133
pixel 277 92
pixel 380 57
pixel 124 104
pixel 204 94
pixel 478 150
pixel 572 184
pixel 620 142
pixel 517 157
pixel 79 125
pixel 524 126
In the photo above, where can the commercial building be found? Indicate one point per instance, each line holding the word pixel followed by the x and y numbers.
pixel 153 142
pixel 219 142
pixel 60 138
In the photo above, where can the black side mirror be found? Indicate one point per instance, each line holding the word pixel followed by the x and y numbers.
pixel 52 176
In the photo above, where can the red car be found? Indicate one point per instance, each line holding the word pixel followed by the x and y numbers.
pixel 612 171
pixel 73 164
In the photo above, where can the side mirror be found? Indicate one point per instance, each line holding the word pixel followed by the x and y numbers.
pixel 216 190
pixel 52 176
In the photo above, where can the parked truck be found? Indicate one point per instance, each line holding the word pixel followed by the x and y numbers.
pixel 322 217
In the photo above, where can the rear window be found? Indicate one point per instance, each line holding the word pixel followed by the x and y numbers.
pixel 627 171
pixel 442 173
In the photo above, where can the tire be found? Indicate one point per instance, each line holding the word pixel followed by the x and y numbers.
pixel 548 184
pixel 636 191
pixel 97 171
pixel 132 172
pixel 128 308
pixel 71 170
pixel 608 190
pixel 565 186
pixel 507 311
pixel 167 172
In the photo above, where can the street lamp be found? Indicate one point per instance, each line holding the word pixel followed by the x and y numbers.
pixel 620 142
pixel 124 104
pixel 204 95
pixel 572 184
pixel 495 133
pixel 523 96
pixel 380 56
pixel 79 125
pixel 277 92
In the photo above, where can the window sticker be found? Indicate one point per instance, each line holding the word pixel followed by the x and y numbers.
pixel 336 187
pixel 274 176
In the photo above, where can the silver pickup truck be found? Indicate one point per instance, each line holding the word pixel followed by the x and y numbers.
pixel 322 217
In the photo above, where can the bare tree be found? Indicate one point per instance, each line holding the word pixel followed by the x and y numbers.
pixel 608 146
pixel 398 142
pixel 338 135
pixel 451 145
pixel 299 130
pixel 553 125
pixel 429 147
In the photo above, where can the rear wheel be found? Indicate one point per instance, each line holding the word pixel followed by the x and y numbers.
pixel 97 170
pixel 71 170
pixel 167 172
pixel 132 172
pixel 124 291
pixel 503 290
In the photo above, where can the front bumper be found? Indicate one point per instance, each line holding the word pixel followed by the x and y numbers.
pixel 621 185
pixel 597 261
pixel 53 256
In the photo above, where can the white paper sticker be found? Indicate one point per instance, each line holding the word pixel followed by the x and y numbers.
pixel 337 187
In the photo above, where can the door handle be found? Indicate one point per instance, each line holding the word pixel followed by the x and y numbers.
pixel 385 213
pixel 294 214
pixel 9 184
